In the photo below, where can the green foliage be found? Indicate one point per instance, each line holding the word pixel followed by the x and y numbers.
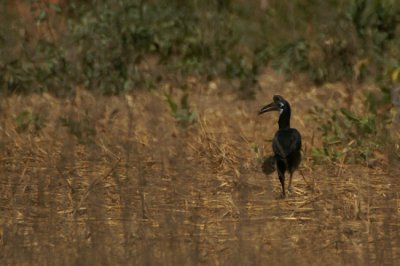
pixel 83 129
pixel 340 41
pixel 114 47
pixel 26 119
pixel 237 67
pixel 293 57
pixel 375 21
pixel 182 113
pixel 107 46
pixel 354 137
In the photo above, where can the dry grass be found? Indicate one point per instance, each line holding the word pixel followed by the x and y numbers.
pixel 125 184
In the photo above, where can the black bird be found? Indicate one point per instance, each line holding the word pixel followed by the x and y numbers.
pixel 287 141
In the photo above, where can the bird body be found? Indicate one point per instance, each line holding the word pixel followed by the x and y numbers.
pixel 286 144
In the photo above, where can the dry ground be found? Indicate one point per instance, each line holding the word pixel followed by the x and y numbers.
pixel 115 180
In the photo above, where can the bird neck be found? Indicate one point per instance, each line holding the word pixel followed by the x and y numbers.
pixel 284 118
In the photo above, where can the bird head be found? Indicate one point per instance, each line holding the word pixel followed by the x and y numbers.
pixel 278 104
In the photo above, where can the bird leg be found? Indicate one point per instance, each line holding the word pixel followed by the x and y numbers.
pixel 282 179
pixel 290 182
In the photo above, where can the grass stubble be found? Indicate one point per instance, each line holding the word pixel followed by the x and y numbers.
pixel 115 180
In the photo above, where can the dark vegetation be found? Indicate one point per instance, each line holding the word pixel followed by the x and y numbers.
pixel 128 132
pixel 113 47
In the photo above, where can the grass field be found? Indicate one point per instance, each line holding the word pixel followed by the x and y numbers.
pixel 90 180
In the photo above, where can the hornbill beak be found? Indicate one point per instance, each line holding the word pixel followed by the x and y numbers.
pixel 268 108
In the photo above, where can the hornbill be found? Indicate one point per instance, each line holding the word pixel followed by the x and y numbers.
pixel 286 143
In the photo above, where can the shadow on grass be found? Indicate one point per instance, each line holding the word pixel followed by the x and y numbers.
pixel 268 165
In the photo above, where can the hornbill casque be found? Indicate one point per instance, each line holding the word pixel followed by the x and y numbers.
pixel 286 143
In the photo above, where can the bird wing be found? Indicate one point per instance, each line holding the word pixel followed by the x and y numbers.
pixel 286 142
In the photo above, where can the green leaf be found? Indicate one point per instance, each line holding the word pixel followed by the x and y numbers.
pixel 56 8
pixel 172 104
pixel 37 121
pixel 185 102
pixel 23 120
pixel 42 16
pixel 349 115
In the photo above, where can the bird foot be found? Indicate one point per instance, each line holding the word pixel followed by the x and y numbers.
pixel 290 189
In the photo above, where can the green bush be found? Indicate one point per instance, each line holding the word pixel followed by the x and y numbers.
pixel 354 137
pixel 117 46
pixel 182 113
